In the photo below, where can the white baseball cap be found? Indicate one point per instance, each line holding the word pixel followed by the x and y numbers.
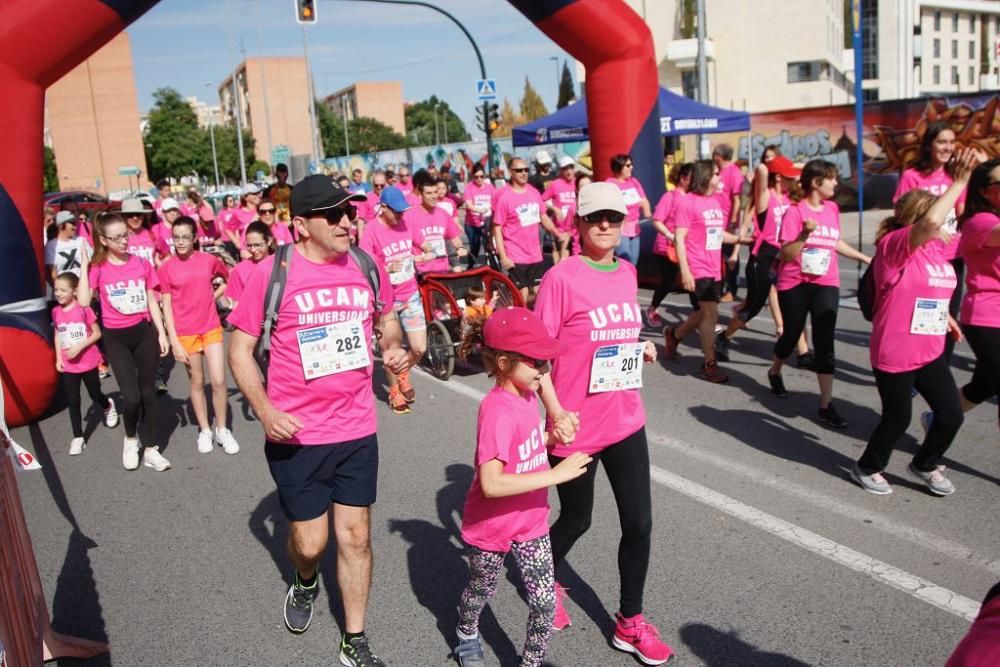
pixel 169 203
pixel 600 196
pixel 566 161
pixel 543 157
pixel 63 217
pixel 250 189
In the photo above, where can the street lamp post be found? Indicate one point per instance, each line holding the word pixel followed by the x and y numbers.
pixel 555 59
pixel 215 156
pixel 437 136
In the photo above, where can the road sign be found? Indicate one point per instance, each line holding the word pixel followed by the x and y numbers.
pixel 486 89
pixel 280 153
pixel 128 171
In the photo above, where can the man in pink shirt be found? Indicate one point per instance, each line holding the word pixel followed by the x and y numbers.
pixel 436 240
pixel 730 188
pixel 516 216
pixel 318 409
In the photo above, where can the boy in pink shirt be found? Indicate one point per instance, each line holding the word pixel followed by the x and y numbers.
pixel 560 198
pixel 433 232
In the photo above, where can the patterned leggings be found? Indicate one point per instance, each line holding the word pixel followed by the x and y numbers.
pixel 534 560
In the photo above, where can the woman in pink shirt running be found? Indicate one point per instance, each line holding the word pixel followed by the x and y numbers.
pixel 507 506
pixel 478 205
pixel 635 201
pixel 260 244
pixel 913 286
pixel 663 246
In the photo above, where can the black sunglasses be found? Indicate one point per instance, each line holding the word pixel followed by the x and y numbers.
pixel 264 211
pixel 336 214
pixel 597 217
pixel 520 170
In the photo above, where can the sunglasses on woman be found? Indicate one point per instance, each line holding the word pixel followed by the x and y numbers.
pixel 597 217
pixel 266 211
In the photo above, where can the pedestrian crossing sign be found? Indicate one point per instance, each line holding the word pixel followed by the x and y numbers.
pixel 486 89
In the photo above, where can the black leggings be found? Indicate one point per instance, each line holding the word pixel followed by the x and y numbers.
pixel 820 303
pixel 937 386
pixel 985 383
pixel 133 353
pixel 955 305
pixel 627 465
pixel 760 278
pixel 731 277
pixel 71 383
pixel 668 276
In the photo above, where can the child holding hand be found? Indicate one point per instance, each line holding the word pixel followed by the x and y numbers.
pixel 77 356
pixel 507 507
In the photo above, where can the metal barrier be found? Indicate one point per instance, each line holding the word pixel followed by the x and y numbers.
pixel 25 627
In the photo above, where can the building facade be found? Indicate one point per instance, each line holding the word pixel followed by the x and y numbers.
pixel 92 121
pixel 381 100
pixel 274 97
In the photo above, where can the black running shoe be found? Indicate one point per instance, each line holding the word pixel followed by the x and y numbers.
pixel 161 387
pixel 721 346
pixel 806 361
pixel 299 605
pixel 777 385
pixel 831 417
pixel 357 653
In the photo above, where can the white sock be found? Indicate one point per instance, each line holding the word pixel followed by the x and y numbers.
pixel 464 637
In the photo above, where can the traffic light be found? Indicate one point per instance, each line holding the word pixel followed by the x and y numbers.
pixel 305 11
pixel 488 117
pixel 494 117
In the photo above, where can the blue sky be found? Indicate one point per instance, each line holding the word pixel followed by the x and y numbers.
pixel 185 43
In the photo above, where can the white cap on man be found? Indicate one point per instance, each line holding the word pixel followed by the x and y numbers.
pixel 543 158
pixel 566 161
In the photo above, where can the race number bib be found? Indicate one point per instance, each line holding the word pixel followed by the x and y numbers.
pixel 333 348
pixel 72 334
pixel 437 247
pixel 129 300
pixel 930 317
pixel 616 368
pixel 815 261
pixel 631 196
pixel 713 238
pixel 482 202
pixel 528 215
pixel 406 272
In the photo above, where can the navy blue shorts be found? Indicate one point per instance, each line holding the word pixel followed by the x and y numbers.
pixel 311 477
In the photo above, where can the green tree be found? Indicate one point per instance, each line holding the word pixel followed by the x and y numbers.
pixel 365 135
pixel 532 106
pixel 508 119
pixel 50 182
pixel 228 152
pixel 175 145
pixel 566 91
pixel 420 123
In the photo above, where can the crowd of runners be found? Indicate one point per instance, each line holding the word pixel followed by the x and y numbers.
pixel 305 277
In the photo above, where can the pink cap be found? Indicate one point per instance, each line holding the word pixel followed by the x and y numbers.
pixel 518 330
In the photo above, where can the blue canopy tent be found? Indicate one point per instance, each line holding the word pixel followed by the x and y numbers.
pixel 678 115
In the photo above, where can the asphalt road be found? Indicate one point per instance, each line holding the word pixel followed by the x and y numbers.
pixel 764 553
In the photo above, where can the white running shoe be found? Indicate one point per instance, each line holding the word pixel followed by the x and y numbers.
pixel 111 415
pixel 152 458
pixel 205 442
pixel 130 454
pixel 76 446
pixel 224 437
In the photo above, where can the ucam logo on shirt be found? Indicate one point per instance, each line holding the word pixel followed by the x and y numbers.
pixel 941 275
pixel 613 314
pixel 532 453
pixel 355 298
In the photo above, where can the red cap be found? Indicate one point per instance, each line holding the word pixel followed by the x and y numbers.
pixel 782 166
pixel 518 330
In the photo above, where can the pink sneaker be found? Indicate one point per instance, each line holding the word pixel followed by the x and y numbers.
pixel 561 620
pixel 635 635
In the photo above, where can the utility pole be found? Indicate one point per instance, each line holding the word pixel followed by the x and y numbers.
pixel 555 59
pixel 237 105
pixel 263 80
pixel 437 135
pixel 316 148
pixel 215 156
pixel 343 108
pixel 702 69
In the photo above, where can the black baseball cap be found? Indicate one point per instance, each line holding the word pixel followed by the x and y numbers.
pixel 318 193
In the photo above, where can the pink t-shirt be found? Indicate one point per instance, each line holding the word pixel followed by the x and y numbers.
pixel 587 309
pixel 705 222
pixel 74 325
pixel 84 231
pixel 238 277
pixel 189 284
pixel 122 290
pixel 901 338
pixel 632 191
pixel 228 221
pixel 771 231
pixel 142 245
pixel 561 194
pixel 819 251
pixel 405 188
pixel 391 245
pixel 322 301
pixel 206 233
pixel 480 197
pixel 158 208
pixel 935 183
pixel 433 227
pixel 730 183
pixel 163 239
pixel 510 431
pixel 241 218
pixel 665 212
pixel 981 305
pixel 519 215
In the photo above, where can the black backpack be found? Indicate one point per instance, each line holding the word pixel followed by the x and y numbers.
pixel 868 296
pixel 276 289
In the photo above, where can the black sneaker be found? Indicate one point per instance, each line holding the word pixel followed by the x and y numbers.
pixel 806 361
pixel 161 387
pixel 831 417
pixel 777 385
pixel 357 653
pixel 299 605
pixel 721 346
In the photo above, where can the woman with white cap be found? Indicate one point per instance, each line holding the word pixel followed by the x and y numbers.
pixel 560 197
pixel 636 202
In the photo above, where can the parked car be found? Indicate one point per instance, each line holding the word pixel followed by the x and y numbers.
pixel 81 200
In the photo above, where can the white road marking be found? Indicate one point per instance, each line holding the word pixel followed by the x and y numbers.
pixel 912 585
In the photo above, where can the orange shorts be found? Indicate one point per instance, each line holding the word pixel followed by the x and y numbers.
pixel 198 342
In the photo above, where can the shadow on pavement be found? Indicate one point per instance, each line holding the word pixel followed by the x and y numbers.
pixel 434 557
pixel 76 603
pixel 726 649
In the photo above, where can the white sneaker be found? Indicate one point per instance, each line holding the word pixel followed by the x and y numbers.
pixel 152 458
pixel 130 454
pixel 76 446
pixel 111 415
pixel 224 437
pixel 205 442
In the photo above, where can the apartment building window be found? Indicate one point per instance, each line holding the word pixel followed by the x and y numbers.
pixel 954 76
pixel 869 44
pixel 689 84
pixel 937 47
pixel 870 94
pixel 937 21
pixel 972 50
pixel 937 75
pixel 954 22
pixel 972 76
pixel 803 71
pixel 972 24
pixel 954 48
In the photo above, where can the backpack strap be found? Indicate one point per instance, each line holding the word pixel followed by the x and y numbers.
pixel 370 270
pixel 272 301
